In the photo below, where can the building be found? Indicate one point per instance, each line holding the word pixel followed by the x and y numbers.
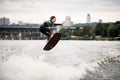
pixel 22 32
pixel 4 21
pixel 100 21
pixel 67 22
pixel 88 18
pixel 21 23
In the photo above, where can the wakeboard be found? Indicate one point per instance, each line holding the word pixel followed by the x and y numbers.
pixel 52 42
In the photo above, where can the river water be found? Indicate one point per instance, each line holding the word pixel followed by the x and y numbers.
pixel 69 60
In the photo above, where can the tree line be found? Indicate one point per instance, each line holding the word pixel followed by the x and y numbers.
pixel 102 31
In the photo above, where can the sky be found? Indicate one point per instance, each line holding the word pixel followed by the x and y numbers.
pixel 38 11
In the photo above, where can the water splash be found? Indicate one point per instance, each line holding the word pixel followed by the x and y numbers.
pixel 25 60
pixel 108 69
pixel 25 68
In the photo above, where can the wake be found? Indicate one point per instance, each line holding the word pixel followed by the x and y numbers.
pixel 24 67
pixel 26 61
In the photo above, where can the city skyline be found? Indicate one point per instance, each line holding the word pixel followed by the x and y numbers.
pixel 38 11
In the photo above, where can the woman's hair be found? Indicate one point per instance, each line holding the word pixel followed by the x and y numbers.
pixel 52 17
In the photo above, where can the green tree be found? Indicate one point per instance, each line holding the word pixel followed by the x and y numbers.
pixel 77 32
pixel 99 29
pixel 117 24
pixel 102 29
pixel 91 31
pixel 86 30
pixel 66 33
pixel 113 30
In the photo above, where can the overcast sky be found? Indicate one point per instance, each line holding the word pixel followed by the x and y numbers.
pixel 37 11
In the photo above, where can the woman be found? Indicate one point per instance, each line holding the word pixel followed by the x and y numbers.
pixel 45 28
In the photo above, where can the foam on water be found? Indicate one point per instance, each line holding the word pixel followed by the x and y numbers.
pixel 25 60
pixel 23 67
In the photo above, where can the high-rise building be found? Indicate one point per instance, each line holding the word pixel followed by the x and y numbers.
pixel 88 18
pixel 4 21
pixel 100 21
pixel 21 23
pixel 67 21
